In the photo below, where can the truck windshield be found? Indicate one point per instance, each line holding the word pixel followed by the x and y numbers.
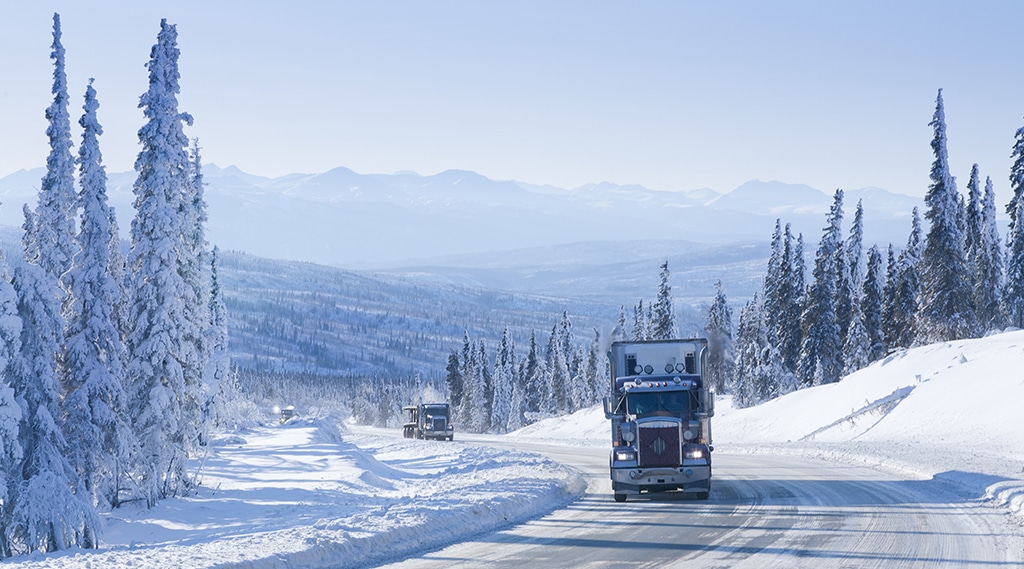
pixel 436 410
pixel 673 403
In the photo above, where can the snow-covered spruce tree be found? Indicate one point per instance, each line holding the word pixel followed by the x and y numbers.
pixel 902 314
pixel 557 374
pixel 752 383
pixel 219 364
pixel 453 380
pixel 161 331
pixel 55 213
pixel 947 300
pixel 857 347
pixel 721 357
pixel 988 267
pixel 534 379
pixel 872 302
pixel 93 375
pixel 889 321
pixel 49 508
pixel 639 323
pixel 663 318
pixel 579 384
pixel 487 383
pixel 972 220
pixel 10 410
pixel 504 377
pixel 774 283
pixel 820 353
pixel 595 370
pixel 194 265
pixel 1013 292
pixel 855 249
pixel 789 330
pixel 619 332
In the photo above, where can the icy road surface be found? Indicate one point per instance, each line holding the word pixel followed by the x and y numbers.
pixel 764 511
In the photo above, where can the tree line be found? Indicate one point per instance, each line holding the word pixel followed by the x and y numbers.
pixel 952 282
pixel 507 392
pixel 109 364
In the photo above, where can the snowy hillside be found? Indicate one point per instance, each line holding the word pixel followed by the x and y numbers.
pixel 306 493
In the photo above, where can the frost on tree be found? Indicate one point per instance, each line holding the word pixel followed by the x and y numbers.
pixel 947 299
pixel 820 355
pixel 93 372
pixel 162 336
pixel 49 510
pixel 54 222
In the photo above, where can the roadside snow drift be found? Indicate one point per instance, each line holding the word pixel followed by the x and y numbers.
pixel 303 496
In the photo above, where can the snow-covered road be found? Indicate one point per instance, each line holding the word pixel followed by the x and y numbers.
pixel 764 511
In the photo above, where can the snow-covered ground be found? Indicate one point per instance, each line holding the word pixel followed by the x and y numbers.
pixel 310 492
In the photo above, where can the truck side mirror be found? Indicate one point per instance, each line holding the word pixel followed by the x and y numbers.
pixel 609 407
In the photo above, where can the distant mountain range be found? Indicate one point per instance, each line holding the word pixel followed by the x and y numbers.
pixel 460 218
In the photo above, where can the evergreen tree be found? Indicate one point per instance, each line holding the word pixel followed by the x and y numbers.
pixel 789 330
pixel 1013 292
pixel 218 362
pixel 721 358
pixel 93 373
pixel 820 357
pixel 55 213
pixel 857 348
pixel 988 266
pixel 947 300
pixel 557 373
pixel 871 307
pixel 890 322
pixel 487 383
pixel 1016 178
pixel 194 266
pixel 775 284
pixel 161 331
pixel 595 371
pixel 663 320
pixel 453 380
pixel 904 312
pixel 533 378
pixel 972 223
pixel 10 410
pixel 758 368
pixel 639 323
pixel 855 249
pixel 50 510
pixel 504 381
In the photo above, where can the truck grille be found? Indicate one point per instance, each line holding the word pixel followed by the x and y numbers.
pixel 659 446
pixel 439 424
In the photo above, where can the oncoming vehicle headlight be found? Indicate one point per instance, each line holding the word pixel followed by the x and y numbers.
pixel 694 453
pixel 625 455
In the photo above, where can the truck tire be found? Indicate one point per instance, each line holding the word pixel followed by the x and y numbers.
pixel 703 495
pixel 620 497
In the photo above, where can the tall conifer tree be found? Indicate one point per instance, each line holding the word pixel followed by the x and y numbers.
pixel 820 353
pixel 161 329
pixel 94 356
pixel 947 300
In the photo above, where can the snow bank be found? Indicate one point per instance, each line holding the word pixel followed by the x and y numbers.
pixel 949 411
pixel 303 495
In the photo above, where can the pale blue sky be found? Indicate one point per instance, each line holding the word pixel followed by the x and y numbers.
pixel 674 95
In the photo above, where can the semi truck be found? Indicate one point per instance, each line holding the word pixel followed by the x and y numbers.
pixel 428 421
pixel 660 411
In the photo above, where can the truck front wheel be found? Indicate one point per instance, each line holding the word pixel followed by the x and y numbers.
pixel 620 497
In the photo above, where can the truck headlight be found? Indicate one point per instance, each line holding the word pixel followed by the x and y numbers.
pixel 694 452
pixel 625 455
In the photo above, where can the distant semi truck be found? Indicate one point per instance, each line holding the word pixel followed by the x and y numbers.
pixel 429 421
pixel 660 411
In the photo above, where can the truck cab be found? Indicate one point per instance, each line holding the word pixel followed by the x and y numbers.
pixel 660 412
